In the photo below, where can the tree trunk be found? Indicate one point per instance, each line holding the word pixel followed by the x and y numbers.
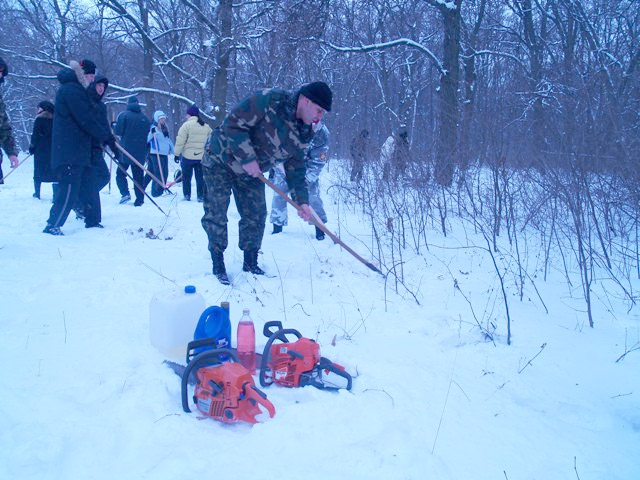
pixel 448 116
pixel 147 56
pixel 221 80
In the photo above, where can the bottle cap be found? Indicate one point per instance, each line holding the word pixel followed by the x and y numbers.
pixel 245 311
pixel 189 289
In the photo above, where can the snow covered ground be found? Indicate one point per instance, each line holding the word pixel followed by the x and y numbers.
pixel 85 395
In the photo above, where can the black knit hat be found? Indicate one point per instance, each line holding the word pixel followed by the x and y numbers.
pixel 46 105
pixel 319 93
pixel 88 67
pixel 133 101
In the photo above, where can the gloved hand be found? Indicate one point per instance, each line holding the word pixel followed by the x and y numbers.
pixel 153 130
pixel 177 158
pixel 31 150
pixel 111 143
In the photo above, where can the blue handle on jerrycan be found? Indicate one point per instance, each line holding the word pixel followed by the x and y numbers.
pixel 214 323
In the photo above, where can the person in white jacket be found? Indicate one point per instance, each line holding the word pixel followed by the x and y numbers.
pixel 160 147
pixel 192 136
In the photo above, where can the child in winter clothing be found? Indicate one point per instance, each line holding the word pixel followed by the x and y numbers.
pixel 160 147
pixel 192 136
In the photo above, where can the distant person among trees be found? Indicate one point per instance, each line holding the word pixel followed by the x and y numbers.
pixel 160 147
pixel 7 141
pixel 394 155
pixel 267 127
pixel 40 148
pixel 192 136
pixel 360 150
pixel 315 158
pixel 132 127
pixel 75 125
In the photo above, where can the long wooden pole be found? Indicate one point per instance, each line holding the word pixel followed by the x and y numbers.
pixel 2 179
pixel 158 159
pixel 136 184
pixel 318 223
pixel 130 157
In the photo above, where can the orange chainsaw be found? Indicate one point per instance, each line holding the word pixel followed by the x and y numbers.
pixel 299 363
pixel 224 389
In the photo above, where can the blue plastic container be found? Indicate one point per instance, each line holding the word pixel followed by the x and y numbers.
pixel 214 323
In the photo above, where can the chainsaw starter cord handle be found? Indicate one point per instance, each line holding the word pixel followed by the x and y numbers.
pixel 267 330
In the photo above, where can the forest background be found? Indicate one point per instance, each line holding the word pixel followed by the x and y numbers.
pixel 522 115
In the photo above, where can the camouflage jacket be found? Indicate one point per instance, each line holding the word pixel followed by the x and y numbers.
pixel 6 132
pixel 263 127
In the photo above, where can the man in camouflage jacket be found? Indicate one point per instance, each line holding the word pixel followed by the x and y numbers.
pixel 315 158
pixel 267 127
pixel 7 142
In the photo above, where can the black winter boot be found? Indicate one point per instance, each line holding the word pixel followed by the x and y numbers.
pixel 219 270
pixel 276 228
pixel 319 234
pixel 251 263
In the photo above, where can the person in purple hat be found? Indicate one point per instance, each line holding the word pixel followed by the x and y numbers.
pixel 192 136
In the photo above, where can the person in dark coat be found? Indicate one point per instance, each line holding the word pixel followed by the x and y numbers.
pixel 132 127
pixel 90 191
pixel 40 147
pixel 75 126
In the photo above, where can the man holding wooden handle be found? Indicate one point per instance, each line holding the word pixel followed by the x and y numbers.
pixel 267 127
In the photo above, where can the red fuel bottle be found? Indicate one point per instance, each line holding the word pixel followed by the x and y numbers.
pixel 247 342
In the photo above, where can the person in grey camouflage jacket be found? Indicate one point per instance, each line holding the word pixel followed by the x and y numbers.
pixel 315 159
pixel 7 141
pixel 267 127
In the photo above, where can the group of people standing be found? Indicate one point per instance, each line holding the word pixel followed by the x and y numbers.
pixel 69 138
pixel 271 130
pixel 150 144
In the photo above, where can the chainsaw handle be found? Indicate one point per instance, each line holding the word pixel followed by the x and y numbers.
pixel 267 331
pixel 266 354
pixel 326 364
pixel 196 362
pixel 253 393
pixel 195 344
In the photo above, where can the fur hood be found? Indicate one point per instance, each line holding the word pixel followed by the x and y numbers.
pixel 73 74
pixel 75 66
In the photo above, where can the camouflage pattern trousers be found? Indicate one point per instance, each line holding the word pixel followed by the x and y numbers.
pixel 279 205
pixel 248 193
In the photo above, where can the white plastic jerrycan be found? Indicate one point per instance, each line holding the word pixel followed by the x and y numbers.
pixel 173 316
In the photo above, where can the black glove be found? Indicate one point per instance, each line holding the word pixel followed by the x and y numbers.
pixel 31 150
pixel 111 143
pixel 153 130
pixel 177 158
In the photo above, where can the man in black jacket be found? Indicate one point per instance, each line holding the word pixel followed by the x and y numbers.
pixel 76 124
pixel 132 127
